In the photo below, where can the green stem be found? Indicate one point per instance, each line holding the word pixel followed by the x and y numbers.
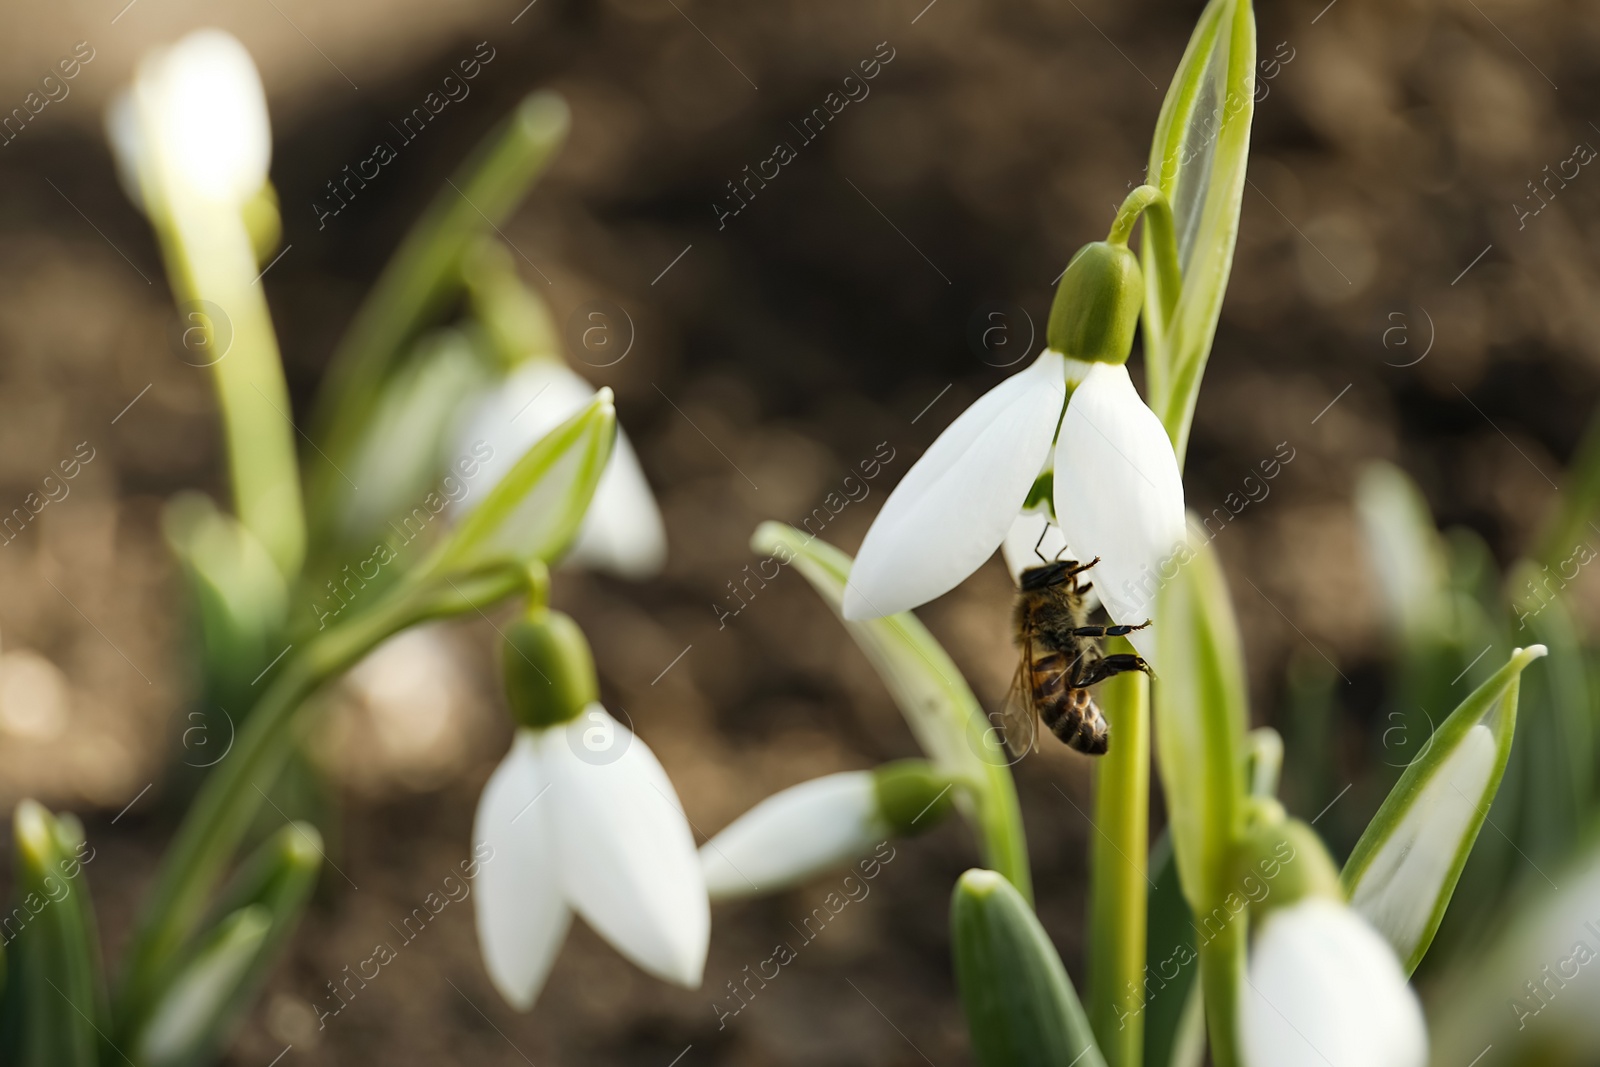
pixel 1222 962
pixel 1118 874
pixel 227 804
pixel 1160 231
pixel 422 277
pixel 211 267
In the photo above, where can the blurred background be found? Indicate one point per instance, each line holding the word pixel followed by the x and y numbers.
pixel 1410 285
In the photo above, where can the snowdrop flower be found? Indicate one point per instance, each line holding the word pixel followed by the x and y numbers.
pixel 824 823
pixel 580 817
pixel 1326 991
pixel 1323 988
pixel 623 532
pixel 193 124
pixel 1116 489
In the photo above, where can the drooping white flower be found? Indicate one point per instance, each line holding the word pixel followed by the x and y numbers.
pixel 1118 493
pixel 1325 990
pixel 194 123
pixel 826 822
pixel 794 834
pixel 581 818
pixel 623 532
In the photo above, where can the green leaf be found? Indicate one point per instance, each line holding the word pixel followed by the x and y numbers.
pixel 56 1006
pixel 1021 1008
pixel 240 594
pixel 1405 867
pixel 405 451
pixel 424 275
pixel 1200 706
pixel 534 511
pixel 185 1016
pixel 937 704
pixel 1197 158
pixel 206 997
pixel 1170 959
pixel 1557 746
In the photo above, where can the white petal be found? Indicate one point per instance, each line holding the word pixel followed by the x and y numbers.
pixel 1023 547
pixel 522 915
pixel 1400 886
pixel 953 508
pixel 622 532
pixel 1325 990
pixel 627 857
pixel 127 144
pixel 208 111
pixel 795 834
pixel 1119 495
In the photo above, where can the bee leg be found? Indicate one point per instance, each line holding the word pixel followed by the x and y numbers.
pixel 1119 630
pixel 1111 666
pixel 1079 568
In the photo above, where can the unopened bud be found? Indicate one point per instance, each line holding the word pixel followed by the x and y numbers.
pixel 1097 304
pixel 549 671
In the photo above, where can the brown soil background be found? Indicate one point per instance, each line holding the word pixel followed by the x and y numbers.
pixel 1387 155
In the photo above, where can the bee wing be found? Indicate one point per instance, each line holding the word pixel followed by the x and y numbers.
pixel 1019 722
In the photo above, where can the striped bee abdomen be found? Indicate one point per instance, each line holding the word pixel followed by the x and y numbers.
pixel 1069 712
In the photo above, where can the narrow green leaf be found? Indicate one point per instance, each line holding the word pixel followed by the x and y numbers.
pixel 1200 705
pixel 240 595
pixel 198 995
pixel 937 704
pixel 1170 959
pixel 58 991
pixel 400 458
pixel 424 275
pixel 1197 158
pixel 1405 867
pixel 1021 1008
pixel 534 511
pixel 202 1003
pixel 1557 728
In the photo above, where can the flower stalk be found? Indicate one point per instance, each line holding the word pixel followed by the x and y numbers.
pixel 1119 876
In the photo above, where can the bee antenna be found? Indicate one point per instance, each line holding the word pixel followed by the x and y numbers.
pixel 1039 542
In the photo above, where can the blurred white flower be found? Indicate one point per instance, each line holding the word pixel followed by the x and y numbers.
pixel 581 817
pixel 622 532
pixel 193 124
pixel 794 834
pixel 1325 990
pixel 1118 493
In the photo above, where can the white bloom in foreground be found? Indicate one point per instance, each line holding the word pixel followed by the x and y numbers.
pixel 1117 491
pixel 622 532
pixel 1325 990
pixel 194 121
pixel 596 829
pixel 795 834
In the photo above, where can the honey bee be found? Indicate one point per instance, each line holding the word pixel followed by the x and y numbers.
pixel 1061 659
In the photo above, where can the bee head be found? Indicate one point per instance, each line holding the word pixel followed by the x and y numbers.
pixel 1049 575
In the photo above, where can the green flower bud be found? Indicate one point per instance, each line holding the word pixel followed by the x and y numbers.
pixel 1286 855
pixel 549 671
pixel 912 795
pixel 1097 304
